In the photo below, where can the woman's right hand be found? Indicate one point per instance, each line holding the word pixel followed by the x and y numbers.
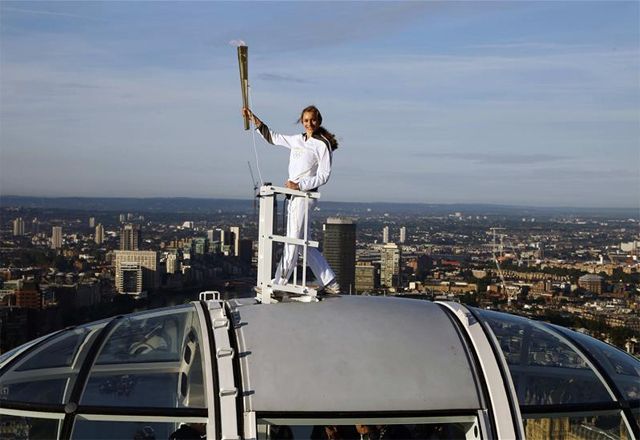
pixel 247 113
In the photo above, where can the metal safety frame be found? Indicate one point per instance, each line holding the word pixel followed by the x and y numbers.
pixel 506 414
pixel 266 238
pixel 223 354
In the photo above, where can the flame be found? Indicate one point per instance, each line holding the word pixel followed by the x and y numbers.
pixel 237 43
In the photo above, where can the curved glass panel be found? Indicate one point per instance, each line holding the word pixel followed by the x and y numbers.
pixel 59 353
pixel 621 367
pixel 148 337
pixel 108 430
pixel 594 426
pixel 47 374
pixel 19 428
pixel 544 368
pixel 9 354
pixel 151 359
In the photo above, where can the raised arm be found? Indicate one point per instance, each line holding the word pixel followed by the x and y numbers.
pixel 268 135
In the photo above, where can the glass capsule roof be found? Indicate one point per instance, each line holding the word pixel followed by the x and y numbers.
pixel 362 353
pixel 150 359
pixel 156 361
pixel 546 369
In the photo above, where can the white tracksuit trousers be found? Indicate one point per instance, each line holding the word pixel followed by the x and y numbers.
pixel 295 229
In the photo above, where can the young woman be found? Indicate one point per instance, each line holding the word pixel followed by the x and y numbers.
pixel 309 168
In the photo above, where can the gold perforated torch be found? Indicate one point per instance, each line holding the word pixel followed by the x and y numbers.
pixel 243 63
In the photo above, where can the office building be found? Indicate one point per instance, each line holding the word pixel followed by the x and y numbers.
pixel 92 222
pixel 403 234
pixel 390 265
pixel 200 245
pixel 99 234
pixel 592 283
pixel 28 296
pixel 18 227
pixel 148 262
pixel 172 263
pixel 339 248
pixel 385 234
pixel 366 281
pixel 419 264
pixel 246 251
pixel 130 237
pixel 631 247
pixel 235 240
pixel 225 242
pixel 130 280
pixel 23 294
pixel 56 237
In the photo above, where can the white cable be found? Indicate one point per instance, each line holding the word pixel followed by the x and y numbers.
pixel 253 132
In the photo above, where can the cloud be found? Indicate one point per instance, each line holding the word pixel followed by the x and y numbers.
pixel 281 78
pixel 320 25
pixel 498 158
pixel 46 12
pixel 532 45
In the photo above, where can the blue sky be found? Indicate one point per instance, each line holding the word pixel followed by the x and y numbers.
pixel 523 103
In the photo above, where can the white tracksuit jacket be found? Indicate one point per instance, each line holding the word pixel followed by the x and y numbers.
pixel 309 159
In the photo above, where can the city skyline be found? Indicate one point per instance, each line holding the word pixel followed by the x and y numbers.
pixel 524 103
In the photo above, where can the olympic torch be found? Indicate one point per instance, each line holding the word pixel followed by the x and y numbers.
pixel 243 63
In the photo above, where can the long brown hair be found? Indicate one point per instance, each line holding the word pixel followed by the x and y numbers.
pixel 333 142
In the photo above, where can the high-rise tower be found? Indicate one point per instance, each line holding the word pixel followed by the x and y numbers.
pixel 403 234
pixel 235 240
pixel 339 248
pixel 385 234
pixel 99 235
pixel 18 227
pixel 56 237
pixel 130 237
pixel 390 265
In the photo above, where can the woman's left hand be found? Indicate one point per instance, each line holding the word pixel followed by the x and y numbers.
pixel 292 185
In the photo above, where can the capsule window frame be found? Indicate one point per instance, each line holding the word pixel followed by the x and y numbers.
pixel 474 430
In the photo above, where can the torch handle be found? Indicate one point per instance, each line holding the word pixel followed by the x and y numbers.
pixel 243 63
pixel 245 102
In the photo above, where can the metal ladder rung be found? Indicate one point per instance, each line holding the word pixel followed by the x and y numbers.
pixel 224 352
pixel 298 241
pixel 292 288
pixel 229 392
pixel 268 190
pixel 220 323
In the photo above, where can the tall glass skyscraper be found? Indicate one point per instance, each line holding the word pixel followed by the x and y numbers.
pixel 339 248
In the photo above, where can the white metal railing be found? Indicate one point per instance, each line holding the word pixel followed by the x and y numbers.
pixel 266 238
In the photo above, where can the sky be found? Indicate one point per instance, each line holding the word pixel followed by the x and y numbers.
pixel 516 103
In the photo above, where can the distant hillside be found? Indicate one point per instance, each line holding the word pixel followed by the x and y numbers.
pixel 204 206
pixel 129 204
